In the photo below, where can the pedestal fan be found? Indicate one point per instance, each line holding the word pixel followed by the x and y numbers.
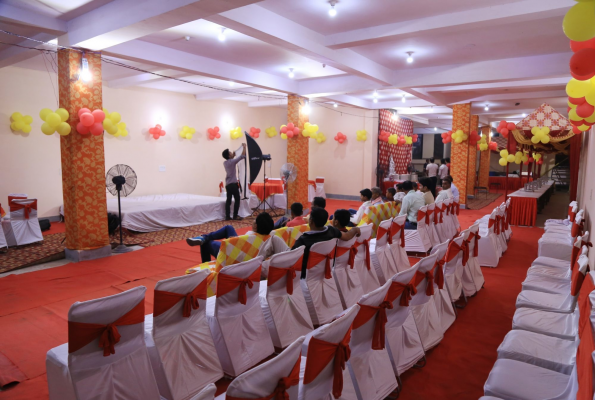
pixel 288 175
pixel 120 180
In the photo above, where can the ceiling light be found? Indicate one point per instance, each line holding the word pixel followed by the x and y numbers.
pixel 375 100
pixel 395 116
pixel 187 38
pixel 306 108
pixel 222 35
pixel 291 75
pixel 410 58
pixel 332 12
pixel 231 83
pixel 435 129
pixel 375 94
pixel 335 105
pixel 524 115
pixel 487 107
pixel 403 99
pixel 85 75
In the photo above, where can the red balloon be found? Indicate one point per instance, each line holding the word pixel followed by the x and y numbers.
pixel 158 126
pixel 162 133
pixel 585 110
pixel 582 64
pixel 576 131
pixel 577 100
pixel 156 136
pixel 83 110
pixel 87 119
pixel 82 129
pixel 97 128
pixel 99 115
pixel 511 126
pixel 578 46
pixel 502 124
pixel 504 132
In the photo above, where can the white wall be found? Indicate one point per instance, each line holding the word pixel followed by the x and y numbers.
pixel 31 163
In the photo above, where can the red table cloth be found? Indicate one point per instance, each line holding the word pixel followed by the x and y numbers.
pixel 271 189
pixel 513 183
pixel 524 207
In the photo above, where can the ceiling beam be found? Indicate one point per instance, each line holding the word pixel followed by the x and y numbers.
pixel 333 85
pixel 466 98
pixel 350 101
pixel 267 103
pixel 145 78
pixel 15 54
pixel 31 18
pixel 214 95
pixel 416 118
pixel 478 18
pixel 541 83
pixel 265 25
pixel 165 57
pixel 121 21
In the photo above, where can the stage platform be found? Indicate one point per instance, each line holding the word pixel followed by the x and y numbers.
pixel 162 211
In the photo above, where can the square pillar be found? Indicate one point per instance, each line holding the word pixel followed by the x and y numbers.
pixel 484 160
pixel 459 154
pixel 472 165
pixel 83 161
pixel 298 151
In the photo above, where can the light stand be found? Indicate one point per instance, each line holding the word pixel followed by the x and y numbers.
pixel 265 202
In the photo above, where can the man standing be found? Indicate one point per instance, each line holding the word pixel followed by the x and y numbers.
pixel 410 205
pixel 443 170
pixel 231 182
pixel 432 169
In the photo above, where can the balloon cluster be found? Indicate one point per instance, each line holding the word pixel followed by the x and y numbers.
pixel 213 133
pixel 581 102
pixel 582 63
pixel 187 132
pixel 537 158
pixel 529 160
pixel 90 122
pixel 21 122
pixel 157 131
pixel 474 138
pixel 579 22
pixel 289 131
pixel 310 130
pixel 384 136
pixel 482 144
pixel 361 136
pixel 446 137
pixel 113 125
pixel 320 137
pixel 271 132
pixel 408 140
pixel 55 121
pixel 236 133
pixel 459 136
pixel 340 137
pixel 506 158
pixel 505 128
pixel 254 132
pixel 414 137
pixel 540 135
pixel 393 139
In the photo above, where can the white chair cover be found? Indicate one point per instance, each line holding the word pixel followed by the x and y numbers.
pixel 417 240
pixel 563 326
pixel 367 276
pixel 502 236
pixel 208 393
pixel 398 252
pixel 23 226
pixel 442 300
pixel 319 192
pixel 239 330
pixel 441 227
pixel 489 247
pixel 469 286
pixel 321 386
pixel 346 277
pixel 449 220
pixel 403 341
pixel 455 217
pixel 557 245
pixel 86 373
pixel 381 254
pixel 373 375
pixel 263 380
pixel 453 272
pixel 182 350
pixel 473 263
pixel 507 232
pixel 320 293
pixel 557 269
pixel 432 232
pixel 286 315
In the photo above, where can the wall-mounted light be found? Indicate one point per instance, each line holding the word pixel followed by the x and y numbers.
pixel 375 100
pixel 410 58
pixel 85 74
pixel 291 74
pixel 222 35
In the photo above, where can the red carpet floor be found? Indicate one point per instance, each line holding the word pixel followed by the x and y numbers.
pixel 34 306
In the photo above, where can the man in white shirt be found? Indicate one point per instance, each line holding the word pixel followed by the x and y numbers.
pixel 432 169
pixel 443 170
pixel 410 205
pixel 453 188
pixel 365 195
pixel 445 193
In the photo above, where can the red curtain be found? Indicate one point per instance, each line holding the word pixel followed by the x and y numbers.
pixel 575 155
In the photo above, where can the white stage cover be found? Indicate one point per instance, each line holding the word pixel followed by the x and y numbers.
pixel 161 211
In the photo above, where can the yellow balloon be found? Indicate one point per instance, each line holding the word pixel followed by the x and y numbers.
pixel 545 139
pixel 115 117
pixel 16 115
pixel 13 127
pixel 510 158
pixel 577 89
pixel 590 96
pixel 44 113
pixel 517 160
pixel 47 129
pixel 571 105
pixel 63 129
pixel 183 134
pixel 53 120
pixel 579 22
pixel 534 139
pixel 504 153
pixel 283 136
pixel 108 124
pixel 121 125
pixel 26 129
pixel 63 114
pixel 124 133
pixel 28 119
pixel 584 128
pixel 502 162
pixel 19 124
pixel 112 130
pixel 573 116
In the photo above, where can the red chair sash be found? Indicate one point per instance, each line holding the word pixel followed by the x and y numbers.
pixel 27 207
pixel 575 231
pixel 227 283
pixel 452 251
pixel 405 290
pixel 11 198
pixel 400 228
pixel 280 392
pixel 315 258
pixel 436 274
pixel 366 313
pixel 571 213
pixel 366 244
pixel 423 215
pixel 495 222
pixel 476 237
pixel 320 353
pixel 448 209
pixel 81 334
pixel 577 280
pixel 383 231
pixel 312 183
pixel 439 210
pixel 165 300
pixel 352 253
pixel 584 360
pixel 465 249
pixel 457 207
pixel 276 273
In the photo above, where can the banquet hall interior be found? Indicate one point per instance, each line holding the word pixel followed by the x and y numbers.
pixel 297 200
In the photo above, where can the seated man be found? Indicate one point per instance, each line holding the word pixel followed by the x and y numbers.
pixel 320 232
pixel 445 193
pixel 376 196
pixel 400 193
pixel 390 194
pixel 410 205
pixel 341 219
pixel 317 202
pixel 426 184
pixel 263 225
pixel 365 196
pixel 296 211
pixel 453 188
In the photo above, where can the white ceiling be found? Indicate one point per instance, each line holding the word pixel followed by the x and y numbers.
pixel 490 52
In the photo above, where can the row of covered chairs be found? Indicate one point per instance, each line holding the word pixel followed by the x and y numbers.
pixel 436 223
pixel 549 352
pixel 21 226
pixel 495 233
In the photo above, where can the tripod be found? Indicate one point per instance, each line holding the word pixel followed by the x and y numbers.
pixel 264 202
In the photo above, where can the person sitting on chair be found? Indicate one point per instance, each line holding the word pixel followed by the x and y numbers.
pixel 453 188
pixel 390 194
pixel 400 193
pixel 341 219
pixel 426 184
pixel 365 196
pixel 231 182
pixel 320 232
pixel 262 226
pixel 445 193
pixel 410 205
pixel 296 215
pixel 376 196
pixel 317 202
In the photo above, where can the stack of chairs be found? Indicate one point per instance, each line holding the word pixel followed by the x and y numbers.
pixel 494 232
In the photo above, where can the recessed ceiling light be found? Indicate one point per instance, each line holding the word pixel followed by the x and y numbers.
pixel 231 83
pixel 403 98
pixel 332 11
pixel 487 107
pixel 335 105
pixel 187 38
pixel 291 74
pixel 410 58
pixel 222 35
pixel 375 94
pixel 524 115
pixel 375 100
pixel 435 129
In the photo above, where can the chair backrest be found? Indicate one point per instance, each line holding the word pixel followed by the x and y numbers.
pixel 321 269
pixel 16 196
pixel 382 234
pixel 264 379
pixel 169 310
pixel 278 279
pixel 438 211
pixel 492 221
pixel 424 265
pixel 421 223
pixel 319 370
pixel 431 212
pixel 296 232
pixel 399 313
pixel 397 230
pixel 454 266
pixel 229 293
pixel 208 393
pixel 368 318
pixel 238 249
pixel 21 209
pixel 342 252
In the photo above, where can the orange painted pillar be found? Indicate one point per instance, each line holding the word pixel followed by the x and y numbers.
pixel 472 165
pixel 484 161
pixel 459 153
pixel 297 151
pixel 83 161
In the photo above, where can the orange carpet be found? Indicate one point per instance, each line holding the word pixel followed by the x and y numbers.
pixel 34 312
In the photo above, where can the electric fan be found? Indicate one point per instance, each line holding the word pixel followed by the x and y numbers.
pixel 288 175
pixel 120 179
